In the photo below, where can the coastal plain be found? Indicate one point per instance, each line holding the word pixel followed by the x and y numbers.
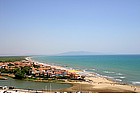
pixel 92 83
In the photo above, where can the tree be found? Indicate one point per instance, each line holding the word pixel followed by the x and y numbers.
pixel 16 70
pixel 26 70
pixel 19 74
pixel 10 64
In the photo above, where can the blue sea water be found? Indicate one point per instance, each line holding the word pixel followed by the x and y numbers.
pixel 122 68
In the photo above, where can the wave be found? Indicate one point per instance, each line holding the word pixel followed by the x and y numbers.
pixel 118 80
pixel 98 74
pixel 90 70
pixel 122 77
pixel 105 76
pixel 113 78
pixel 93 69
pixel 109 72
pixel 119 74
pixel 136 82
pixel 108 77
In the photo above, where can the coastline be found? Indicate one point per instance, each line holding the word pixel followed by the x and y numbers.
pixel 94 83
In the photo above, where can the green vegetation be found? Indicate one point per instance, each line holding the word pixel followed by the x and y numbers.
pixel 21 73
pixel 25 70
pixel 11 58
pixel 45 80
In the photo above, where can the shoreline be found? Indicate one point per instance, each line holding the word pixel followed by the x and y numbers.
pixel 94 82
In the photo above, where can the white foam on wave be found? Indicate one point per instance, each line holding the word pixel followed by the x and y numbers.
pixel 105 76
pixel 118 80
pixel 98 74
pixel 136 82
pixel 90 70
pixel 109 72
pixel 119 74
pixel 108 77
pixel 122 77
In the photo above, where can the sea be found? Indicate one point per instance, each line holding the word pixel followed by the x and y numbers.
pixel 120 68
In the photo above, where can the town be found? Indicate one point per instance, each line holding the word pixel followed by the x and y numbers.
pixel 34 70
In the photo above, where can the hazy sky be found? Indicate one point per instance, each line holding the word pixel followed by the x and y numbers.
pixel 55 26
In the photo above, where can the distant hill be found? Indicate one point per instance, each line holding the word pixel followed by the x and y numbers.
pixel 78 53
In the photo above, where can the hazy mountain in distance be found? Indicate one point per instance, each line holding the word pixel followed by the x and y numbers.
pixel 79 53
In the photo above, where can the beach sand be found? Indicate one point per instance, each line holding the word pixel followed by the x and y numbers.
pixel 98 84
pixel 101 83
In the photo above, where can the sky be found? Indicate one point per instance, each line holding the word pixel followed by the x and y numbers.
pixel 35 27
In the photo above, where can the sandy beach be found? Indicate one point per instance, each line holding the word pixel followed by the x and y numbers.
pixel 101 85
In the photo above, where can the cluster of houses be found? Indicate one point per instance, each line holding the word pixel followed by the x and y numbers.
pixel 41 70
pixel 13 65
